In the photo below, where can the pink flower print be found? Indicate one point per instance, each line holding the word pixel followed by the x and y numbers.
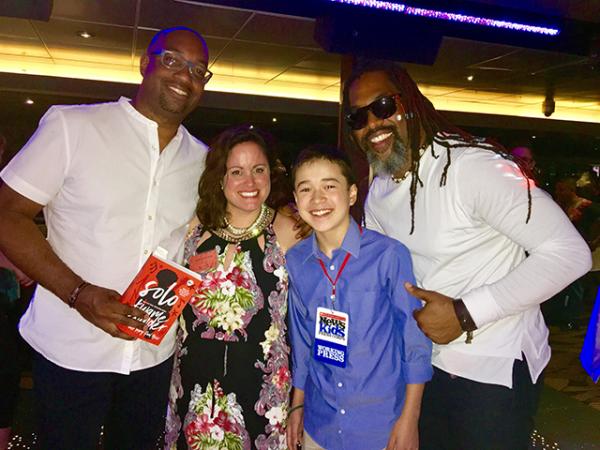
pixel 282 377
pixel 195 429
pixel 238 277
pixel 222 420
pixel 213 280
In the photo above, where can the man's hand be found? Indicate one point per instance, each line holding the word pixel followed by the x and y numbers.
pixel 295 429
pixel 102 308
pixel 437 318
pixel 405 434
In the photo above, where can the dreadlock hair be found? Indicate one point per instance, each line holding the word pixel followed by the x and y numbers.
pixel 426 125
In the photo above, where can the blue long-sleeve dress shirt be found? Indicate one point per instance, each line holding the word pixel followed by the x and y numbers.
pixel 355 407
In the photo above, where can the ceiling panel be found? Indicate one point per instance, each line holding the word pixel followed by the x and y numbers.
pixel 290 31
pixel 261 72
pixel 274 55
pixel 307 76
pixel 91 55
pixel 263 54
pixel 64 34
pixel 17 28
pixel 118 12
pixel 22 47
pixel 209 21
pixel 319 61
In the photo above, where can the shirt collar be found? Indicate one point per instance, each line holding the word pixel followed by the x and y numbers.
pixel 129 109
pixel 350 244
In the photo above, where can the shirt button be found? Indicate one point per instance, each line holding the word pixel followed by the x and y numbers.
pixel 340 384
pixel 332 267
pixel 155 183
pixel 149 217
pixel 342 411
pixel 145 252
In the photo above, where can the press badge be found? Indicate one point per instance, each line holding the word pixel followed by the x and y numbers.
pixel 331 337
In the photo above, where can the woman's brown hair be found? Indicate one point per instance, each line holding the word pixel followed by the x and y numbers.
pixel 212 202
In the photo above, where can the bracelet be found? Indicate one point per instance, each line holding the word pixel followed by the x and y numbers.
pixel 294 408
pixel 464 318
pixel 75 294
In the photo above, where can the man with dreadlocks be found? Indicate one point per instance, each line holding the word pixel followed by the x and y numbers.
pixel 487 245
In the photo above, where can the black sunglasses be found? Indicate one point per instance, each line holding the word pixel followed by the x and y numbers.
pixel 382 108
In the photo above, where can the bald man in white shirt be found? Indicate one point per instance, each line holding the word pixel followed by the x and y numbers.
pixel 115 180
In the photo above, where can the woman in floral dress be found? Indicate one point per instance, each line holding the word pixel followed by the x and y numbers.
pixel 231 382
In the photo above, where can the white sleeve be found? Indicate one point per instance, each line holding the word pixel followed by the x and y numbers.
pixel 494 191
pixel 39 169
pixel 370 219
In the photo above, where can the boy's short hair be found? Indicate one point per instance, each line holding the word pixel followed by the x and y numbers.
pixel 325 153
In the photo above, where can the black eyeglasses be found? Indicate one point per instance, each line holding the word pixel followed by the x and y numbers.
pixel 382 108
pixel 175 61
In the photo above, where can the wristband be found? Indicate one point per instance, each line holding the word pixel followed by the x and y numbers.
pixel 294 408
pixel 75 294
pixel 467 323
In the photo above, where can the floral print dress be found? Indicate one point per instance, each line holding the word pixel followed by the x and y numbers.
pixel 231 382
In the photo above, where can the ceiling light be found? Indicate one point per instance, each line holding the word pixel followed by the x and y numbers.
pixel 533 137
pixel 29 101
pixel 251 127
pixel 470 77
pixel 451 16
pixel 274 119
pixel 84 34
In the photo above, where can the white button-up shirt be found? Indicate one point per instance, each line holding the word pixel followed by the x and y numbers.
pixel 111 197
pixel 469 242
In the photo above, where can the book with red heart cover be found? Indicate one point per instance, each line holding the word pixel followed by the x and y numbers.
pixel 161 289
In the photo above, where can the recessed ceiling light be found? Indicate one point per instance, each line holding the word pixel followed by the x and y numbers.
pixel 470 77
pixel 274 119
pixel 29 101
pixel 84 34
pixel 533 137
pixel 251 127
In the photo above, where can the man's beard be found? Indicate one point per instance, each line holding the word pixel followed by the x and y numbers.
pixel 395 162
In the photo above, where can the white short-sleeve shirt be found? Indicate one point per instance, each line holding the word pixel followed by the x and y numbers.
pixel 111 197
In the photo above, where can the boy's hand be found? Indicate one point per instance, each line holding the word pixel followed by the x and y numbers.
pixel 295 429
pixel 404 435
pixel 437 319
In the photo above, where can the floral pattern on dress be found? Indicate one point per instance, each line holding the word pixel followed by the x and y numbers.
pixel 225 321
pixel 214 421
pixel 228 298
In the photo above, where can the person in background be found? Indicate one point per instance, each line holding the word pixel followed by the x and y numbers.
pixel 115 180
pixel 468 216
pixel 359 359
pixel 231 383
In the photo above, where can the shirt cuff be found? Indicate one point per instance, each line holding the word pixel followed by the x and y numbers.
pixel 482 306
pixel 417 372
pixel 19 185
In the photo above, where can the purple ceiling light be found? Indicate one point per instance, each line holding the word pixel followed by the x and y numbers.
pixel 449 16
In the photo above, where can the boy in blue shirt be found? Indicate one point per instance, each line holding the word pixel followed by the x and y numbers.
pixel 359 360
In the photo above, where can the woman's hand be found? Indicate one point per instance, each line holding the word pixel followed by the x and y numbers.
pixel 295 429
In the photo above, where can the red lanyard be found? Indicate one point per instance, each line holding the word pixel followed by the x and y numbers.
pixel 337 277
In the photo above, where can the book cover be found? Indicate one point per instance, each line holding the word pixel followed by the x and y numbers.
pixel 161 289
